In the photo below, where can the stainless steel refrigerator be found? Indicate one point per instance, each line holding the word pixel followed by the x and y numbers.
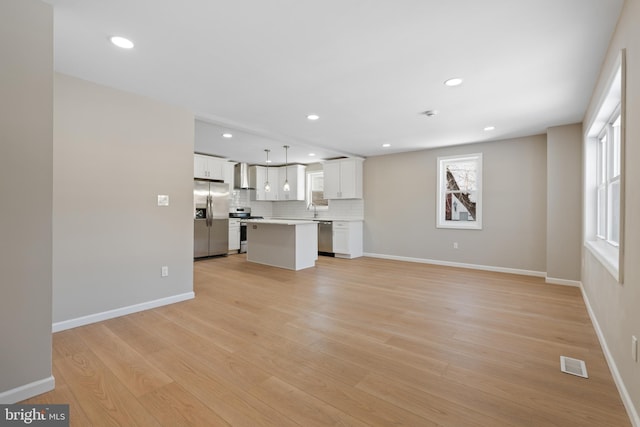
pixel 211 218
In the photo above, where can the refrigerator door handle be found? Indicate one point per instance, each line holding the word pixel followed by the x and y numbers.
pixel 209 214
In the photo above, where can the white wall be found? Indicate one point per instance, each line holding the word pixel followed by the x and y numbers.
pixel 26 144
pixel 616 307
pixel 114 152
pixel 564 202
pixel 400 207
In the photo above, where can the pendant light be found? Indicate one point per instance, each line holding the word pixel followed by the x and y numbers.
pixel 267 187
pixel 286 186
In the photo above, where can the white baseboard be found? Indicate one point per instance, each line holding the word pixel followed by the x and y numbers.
pixel 460 265
pixel 563 282
pixel 27 391
pixel 110 314
pixel 622 389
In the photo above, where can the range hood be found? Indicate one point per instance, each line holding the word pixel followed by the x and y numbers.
pixel 244 176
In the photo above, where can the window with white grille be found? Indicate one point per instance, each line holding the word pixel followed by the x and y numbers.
pixel 608 182
pixel 604 176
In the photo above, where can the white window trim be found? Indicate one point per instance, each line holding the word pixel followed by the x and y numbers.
pixel 441 222
pixel 606 254
pixel 310 205
pixel 613 98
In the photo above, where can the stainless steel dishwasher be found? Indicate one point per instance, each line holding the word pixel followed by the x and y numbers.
pixel 325 237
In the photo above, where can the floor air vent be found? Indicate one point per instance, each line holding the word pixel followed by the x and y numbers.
pixel 573 366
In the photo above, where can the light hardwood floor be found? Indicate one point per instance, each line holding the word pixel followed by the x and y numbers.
pixel 363 342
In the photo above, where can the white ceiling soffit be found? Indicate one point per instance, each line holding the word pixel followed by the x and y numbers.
pixel 367 68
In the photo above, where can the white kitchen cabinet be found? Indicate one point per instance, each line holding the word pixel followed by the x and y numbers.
pixel 208 167
pixel 331 177
pixel 343 179
pixel 262 172
pixel 228 172
pixel 277 176
pixel 234 235
pixel 295 175
pixel 347 239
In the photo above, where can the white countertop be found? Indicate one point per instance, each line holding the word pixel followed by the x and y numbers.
pixel 340 219
pixel 279 221
pixel 318 219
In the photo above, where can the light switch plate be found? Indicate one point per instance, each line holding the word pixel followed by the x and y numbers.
pixel 163 200
pixel 164 271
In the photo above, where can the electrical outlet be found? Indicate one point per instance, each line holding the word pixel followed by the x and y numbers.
pixel 634 348
pixel 455 245
pixel 164 271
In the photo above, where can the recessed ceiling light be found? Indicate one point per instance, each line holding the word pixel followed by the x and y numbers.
pixel 121 42
pixel 312 154
pixel 456 81
pixel 430 113
pixel 488 128
pixel 313 117
pixel 386 145
pixel 227 135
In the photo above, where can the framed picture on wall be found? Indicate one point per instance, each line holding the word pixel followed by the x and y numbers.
pixel 460 192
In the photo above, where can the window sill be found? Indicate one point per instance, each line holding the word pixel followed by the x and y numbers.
pixel 606 254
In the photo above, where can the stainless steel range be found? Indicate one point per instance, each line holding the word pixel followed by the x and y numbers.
pixel 242 213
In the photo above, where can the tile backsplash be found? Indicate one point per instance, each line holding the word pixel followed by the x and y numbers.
pixel 337 209
pixel 353 208
pixel 242 198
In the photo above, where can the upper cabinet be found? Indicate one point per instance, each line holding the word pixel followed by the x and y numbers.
pixel 263 175
pixel 209 167
pixel 295 175
pixel 228 173
pixel 276 177
pixel 343 179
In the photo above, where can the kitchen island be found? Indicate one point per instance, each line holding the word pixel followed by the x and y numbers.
pixel 290 244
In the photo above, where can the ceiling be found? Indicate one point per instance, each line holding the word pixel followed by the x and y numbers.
pixel 368 68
